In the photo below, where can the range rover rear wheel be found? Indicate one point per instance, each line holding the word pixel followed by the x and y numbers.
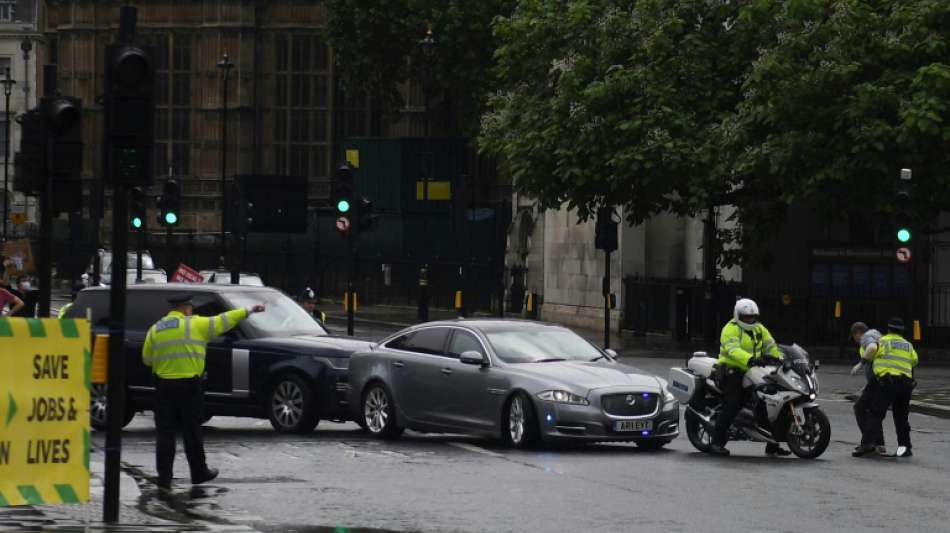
pixel 98 412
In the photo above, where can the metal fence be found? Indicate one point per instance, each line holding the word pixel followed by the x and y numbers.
pixel 792 314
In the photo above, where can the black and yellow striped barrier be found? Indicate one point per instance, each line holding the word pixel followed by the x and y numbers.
pixel 44 416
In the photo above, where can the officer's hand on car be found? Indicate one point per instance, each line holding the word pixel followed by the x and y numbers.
pixel 258 308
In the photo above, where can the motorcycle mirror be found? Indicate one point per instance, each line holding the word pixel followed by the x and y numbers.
pixel 817 365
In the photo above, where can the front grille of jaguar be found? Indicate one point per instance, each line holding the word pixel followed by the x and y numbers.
pixel 630 404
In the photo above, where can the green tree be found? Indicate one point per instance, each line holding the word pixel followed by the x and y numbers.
pixel 376 44
pixel 620 102
pixel 851 92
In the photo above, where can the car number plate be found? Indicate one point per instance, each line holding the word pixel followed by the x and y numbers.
pixel 633 425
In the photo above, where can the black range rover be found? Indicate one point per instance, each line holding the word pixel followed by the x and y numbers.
pixel 280 364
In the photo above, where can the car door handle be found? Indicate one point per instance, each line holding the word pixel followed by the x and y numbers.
pixel 446 371
pixel 398 364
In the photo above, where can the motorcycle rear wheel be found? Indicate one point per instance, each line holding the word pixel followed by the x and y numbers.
pixel 699 436
pixel 814 439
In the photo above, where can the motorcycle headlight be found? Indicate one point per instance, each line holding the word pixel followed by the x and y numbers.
pixel 562 396
pixel 798 383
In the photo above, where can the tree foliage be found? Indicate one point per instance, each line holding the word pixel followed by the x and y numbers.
pixel 376 45
pixel 675 105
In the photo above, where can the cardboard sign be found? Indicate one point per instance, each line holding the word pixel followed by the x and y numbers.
pixel 186 274
pixel 44 411
pixel 19 257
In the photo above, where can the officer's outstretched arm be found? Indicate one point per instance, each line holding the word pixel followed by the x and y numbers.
pixel 225 322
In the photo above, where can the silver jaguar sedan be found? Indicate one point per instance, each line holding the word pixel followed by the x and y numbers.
pixel 526 382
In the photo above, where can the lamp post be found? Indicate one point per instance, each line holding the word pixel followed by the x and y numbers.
pixel 427 45
pixel 225 65
pixel 7 89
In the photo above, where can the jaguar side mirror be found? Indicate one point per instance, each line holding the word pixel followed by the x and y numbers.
pixel 472 357
pixel 611 352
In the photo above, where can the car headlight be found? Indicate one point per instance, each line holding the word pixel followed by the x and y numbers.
pixel 669 401
pixel 563 396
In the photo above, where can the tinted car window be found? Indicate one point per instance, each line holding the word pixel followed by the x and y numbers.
pixel 464 341
pixel 145 309
pixel 429 341
pixel 97 302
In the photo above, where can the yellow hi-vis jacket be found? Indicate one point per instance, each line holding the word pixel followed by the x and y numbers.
pixel 737 346
pixel 175 346
pixel 895 356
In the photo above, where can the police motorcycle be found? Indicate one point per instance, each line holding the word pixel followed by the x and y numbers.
pixel 780 403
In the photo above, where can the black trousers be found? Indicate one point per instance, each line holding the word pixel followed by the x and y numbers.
pixel 895 392
pixel 730 382
pixel 179 407
pixel 862 412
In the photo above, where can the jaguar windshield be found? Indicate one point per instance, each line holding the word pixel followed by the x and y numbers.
pixel 539 344
pixel 283 318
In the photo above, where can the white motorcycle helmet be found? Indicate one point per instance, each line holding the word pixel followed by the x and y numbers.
pixel 746 314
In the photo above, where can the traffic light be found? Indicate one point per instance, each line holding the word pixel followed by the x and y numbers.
pixel 605 234
pixel 169 204
pixel 29 175
pixel 62 122
pixel 342 189
pixel 137 209
pixel 903 204
pixel 130 112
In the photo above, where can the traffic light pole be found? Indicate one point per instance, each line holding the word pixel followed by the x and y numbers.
pixel 116 390
pixel 350 286
pixel 142 233
pixel 606 290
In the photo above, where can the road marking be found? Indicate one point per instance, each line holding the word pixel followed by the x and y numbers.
pixel 476 449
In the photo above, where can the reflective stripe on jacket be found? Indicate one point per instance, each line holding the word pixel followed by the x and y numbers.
pixel 63 310
pixel 737 346
pixel 175 346
pixel 895 356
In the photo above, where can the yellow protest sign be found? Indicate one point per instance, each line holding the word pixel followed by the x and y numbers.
pixel 44 411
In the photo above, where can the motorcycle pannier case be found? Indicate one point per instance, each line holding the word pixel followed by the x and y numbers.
pixel 683 384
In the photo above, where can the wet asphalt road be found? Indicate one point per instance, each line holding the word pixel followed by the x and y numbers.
pixel 338 477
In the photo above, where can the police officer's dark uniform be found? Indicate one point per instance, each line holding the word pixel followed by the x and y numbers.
pixel 893 366
pixel 308 300
pixel 865 338
pixel 175 349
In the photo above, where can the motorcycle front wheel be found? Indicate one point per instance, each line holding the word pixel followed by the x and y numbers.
pixel 814 437
pixel 699 436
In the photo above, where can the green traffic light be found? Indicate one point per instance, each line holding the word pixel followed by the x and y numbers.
pixel 343 206
pixel 171 218
pixel 137 222
pixel 903 235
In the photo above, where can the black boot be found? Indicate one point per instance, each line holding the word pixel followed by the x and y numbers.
pixel 718 450
pixel 775 450
pixel 206 476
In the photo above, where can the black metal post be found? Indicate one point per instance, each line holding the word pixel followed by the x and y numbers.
pixel 225 65
pixel 606 290
pixel 350 286
pixel 138 253
pixel 709 275
pixel 423 314
pixel 168 250
pixel 7 89
pixel 116 389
